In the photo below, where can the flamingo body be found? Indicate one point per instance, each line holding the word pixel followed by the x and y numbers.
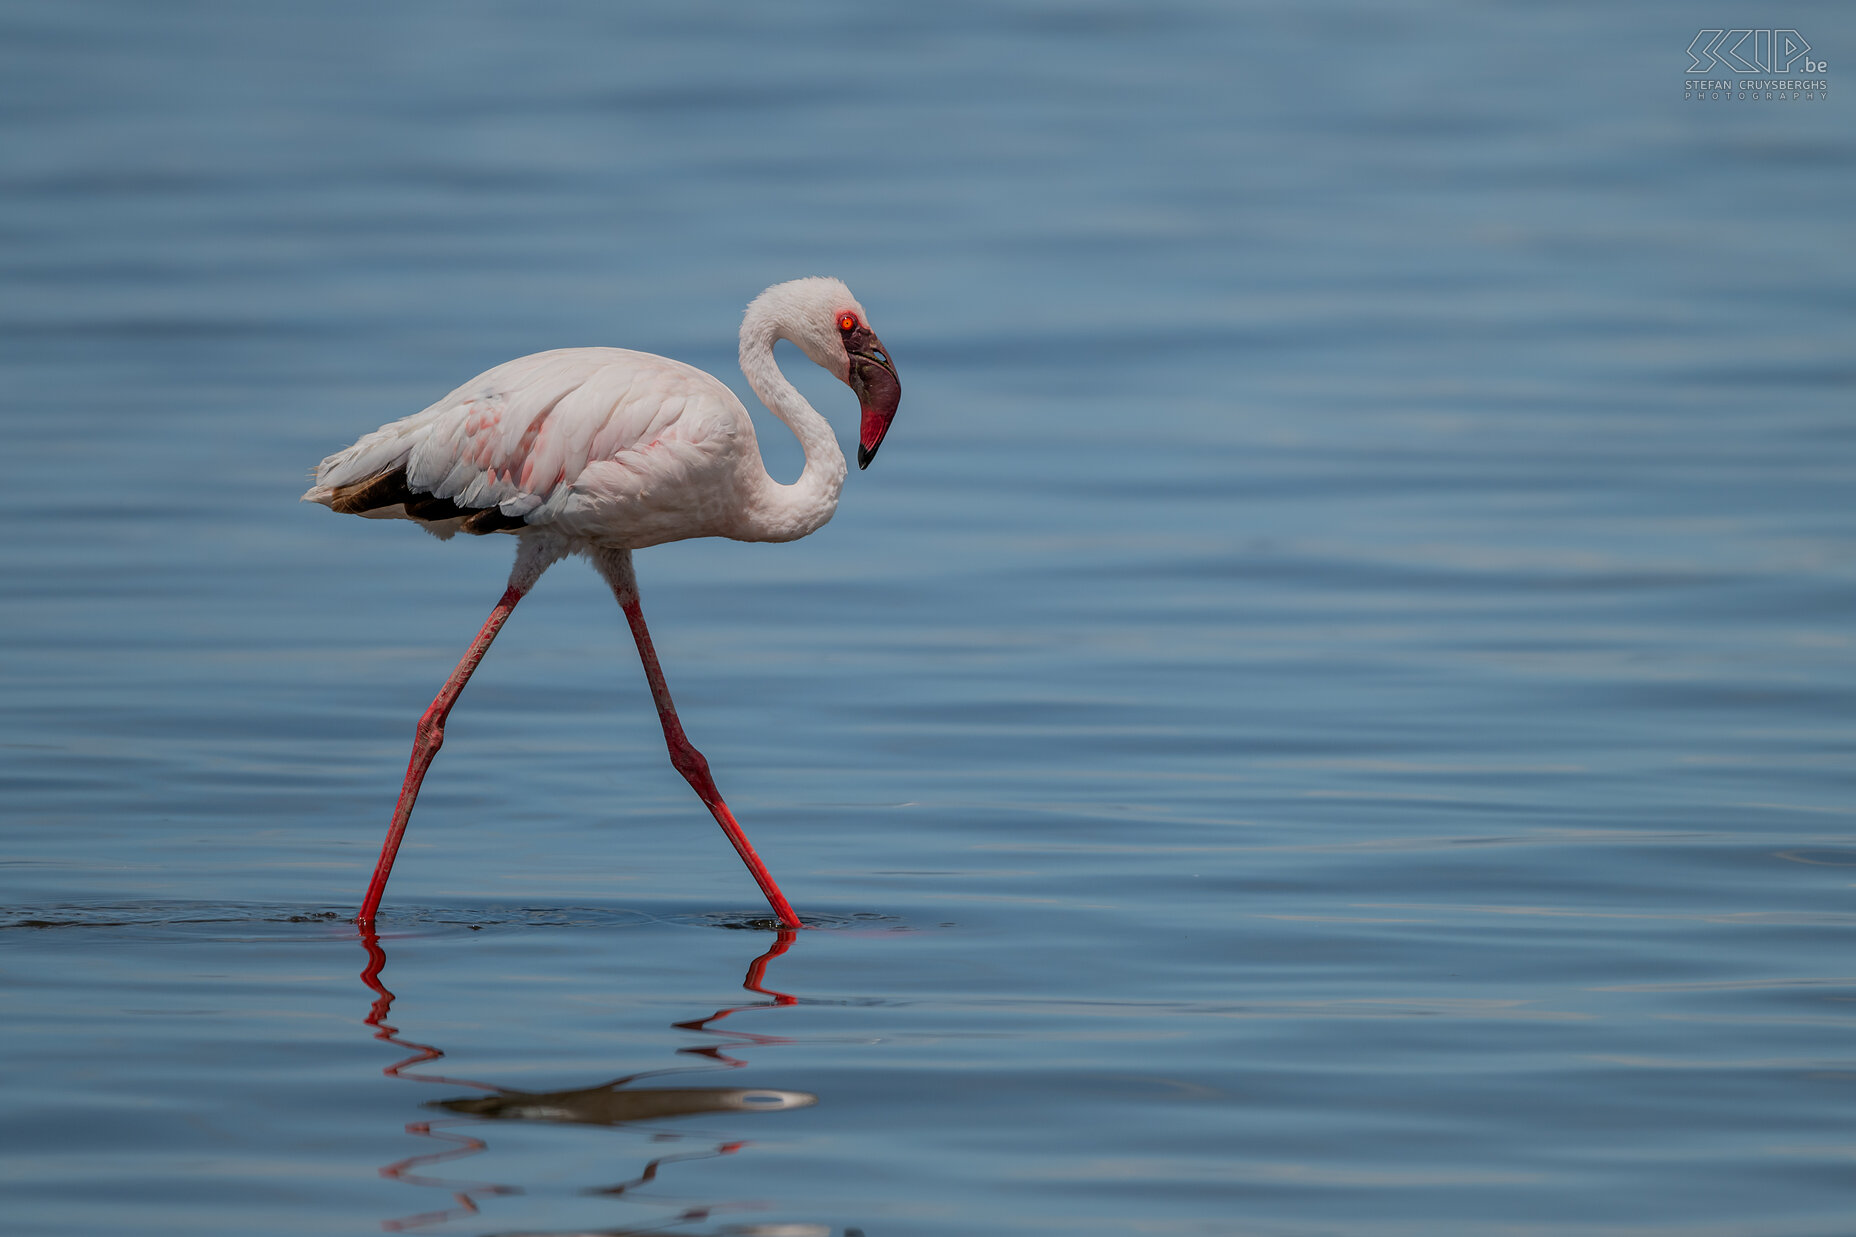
pixel 603 451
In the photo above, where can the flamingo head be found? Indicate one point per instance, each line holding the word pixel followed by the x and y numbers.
pixel 871 374
pixel 830 327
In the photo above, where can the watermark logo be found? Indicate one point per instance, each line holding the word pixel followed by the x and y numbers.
pixel 1768 66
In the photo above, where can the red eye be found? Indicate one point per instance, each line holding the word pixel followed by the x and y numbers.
pixel 847 322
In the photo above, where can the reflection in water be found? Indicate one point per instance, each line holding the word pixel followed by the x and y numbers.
pixel 607 1105
pixel 611 1103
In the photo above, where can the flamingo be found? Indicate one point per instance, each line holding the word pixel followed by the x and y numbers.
pixel 602 451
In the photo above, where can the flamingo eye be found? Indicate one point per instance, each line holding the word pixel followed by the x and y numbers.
pixel 847 322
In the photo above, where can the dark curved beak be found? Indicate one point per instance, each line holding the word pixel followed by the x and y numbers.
pixel 873 376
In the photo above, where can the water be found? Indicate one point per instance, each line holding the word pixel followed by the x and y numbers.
pixel 1331 714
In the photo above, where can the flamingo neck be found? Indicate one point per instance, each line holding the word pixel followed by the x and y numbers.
pixel 785 512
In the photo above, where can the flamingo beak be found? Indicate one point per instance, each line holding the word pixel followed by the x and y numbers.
pixel 873 376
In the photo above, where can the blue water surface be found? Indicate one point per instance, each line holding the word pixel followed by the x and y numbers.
pixel 1332 713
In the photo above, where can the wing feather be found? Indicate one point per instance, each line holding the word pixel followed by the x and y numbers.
pixel 592 429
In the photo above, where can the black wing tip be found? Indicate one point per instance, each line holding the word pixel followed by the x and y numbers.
pixel 391 489
pixel 492 520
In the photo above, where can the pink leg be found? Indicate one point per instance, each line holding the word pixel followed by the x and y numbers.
pixel 683 753
pixel 428 739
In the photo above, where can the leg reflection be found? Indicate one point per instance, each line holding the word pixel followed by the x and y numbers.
pixel 614 1103
pixel 403 1170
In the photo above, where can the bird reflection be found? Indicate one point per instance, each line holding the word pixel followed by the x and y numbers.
pixel 607 1105
pixel 613 1103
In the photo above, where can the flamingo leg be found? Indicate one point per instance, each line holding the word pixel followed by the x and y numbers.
pixel 429 737
pixel 617 569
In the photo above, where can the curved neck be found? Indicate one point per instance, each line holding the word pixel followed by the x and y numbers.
pixel 784 512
